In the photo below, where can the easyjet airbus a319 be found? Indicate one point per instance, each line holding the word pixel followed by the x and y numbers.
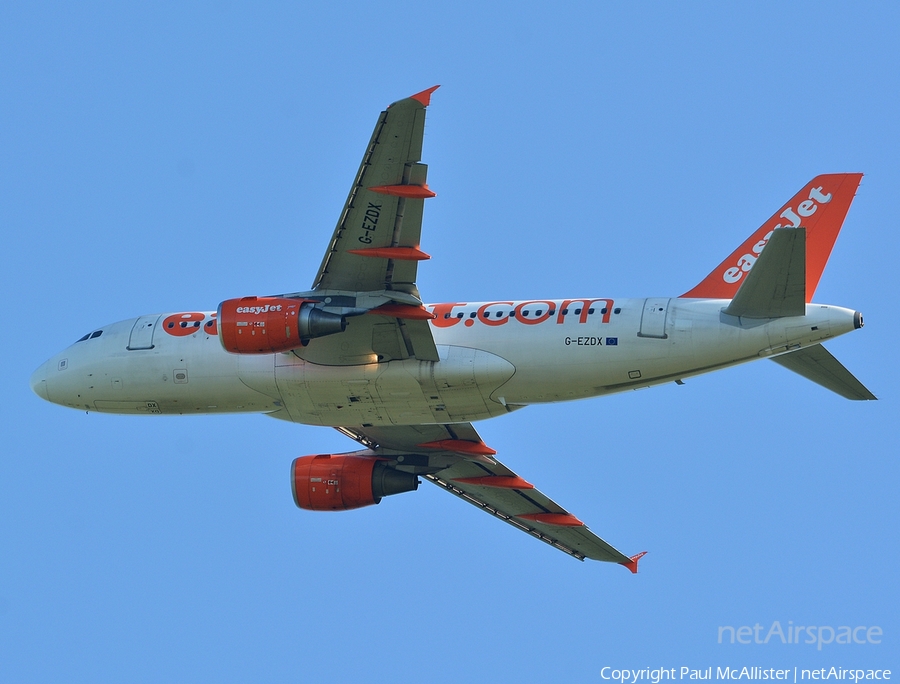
pixel 362 353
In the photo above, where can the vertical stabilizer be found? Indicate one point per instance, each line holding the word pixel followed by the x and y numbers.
pixel 820 207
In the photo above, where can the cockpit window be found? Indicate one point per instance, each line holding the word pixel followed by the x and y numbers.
pixel 91 335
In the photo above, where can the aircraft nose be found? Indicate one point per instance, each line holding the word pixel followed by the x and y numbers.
pixel 39 382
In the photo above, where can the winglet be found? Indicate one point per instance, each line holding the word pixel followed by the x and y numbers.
pixel 425 96
pixel 633 563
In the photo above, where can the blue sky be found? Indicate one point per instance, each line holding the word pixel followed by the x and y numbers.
pixel 167 157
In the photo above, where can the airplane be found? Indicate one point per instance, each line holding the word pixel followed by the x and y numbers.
pixel 362 353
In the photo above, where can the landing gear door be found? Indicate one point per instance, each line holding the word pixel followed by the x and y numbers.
pixel 653 318
pixel 142 333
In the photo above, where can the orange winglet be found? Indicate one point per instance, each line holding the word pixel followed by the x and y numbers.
pixel 425 96
pixel 560 519
pixel 496 481
pixel 461 446
pixel 416 313
pixel 632 564
pixel 398 253
pixel 407 191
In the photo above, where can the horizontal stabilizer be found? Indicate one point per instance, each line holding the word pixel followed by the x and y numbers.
pixel 817 364
pixel 776 286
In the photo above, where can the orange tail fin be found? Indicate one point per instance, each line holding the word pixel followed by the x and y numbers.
pixel 820 207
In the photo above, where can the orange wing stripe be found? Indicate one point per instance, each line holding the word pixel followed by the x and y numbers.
pixel 399 253
pixel 461 446
pixel 407 191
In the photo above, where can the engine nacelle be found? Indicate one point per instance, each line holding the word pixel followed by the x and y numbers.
pixel 267 325
pixel 338 482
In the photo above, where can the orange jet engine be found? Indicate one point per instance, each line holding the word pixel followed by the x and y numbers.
pixel 268 325
pixel 339 482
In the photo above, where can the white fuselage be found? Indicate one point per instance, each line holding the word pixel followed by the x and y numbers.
pixel 495 357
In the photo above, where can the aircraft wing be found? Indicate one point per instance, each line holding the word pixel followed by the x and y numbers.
pixel 375 245
pixel 370 266
pixel 455 458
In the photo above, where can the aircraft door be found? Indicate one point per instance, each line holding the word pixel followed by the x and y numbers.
pixel 653 317
pixel 142 333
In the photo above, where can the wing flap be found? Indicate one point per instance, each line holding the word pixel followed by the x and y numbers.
pixel 420 341
pixel 373 339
